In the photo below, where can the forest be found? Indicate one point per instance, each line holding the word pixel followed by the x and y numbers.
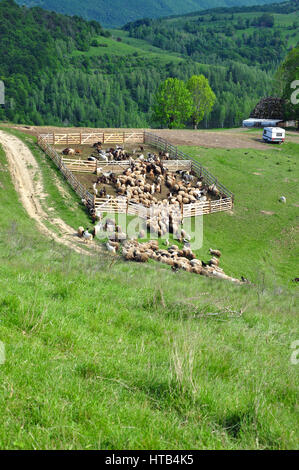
pixel 61 70
pixel 254 36
pixel 117 12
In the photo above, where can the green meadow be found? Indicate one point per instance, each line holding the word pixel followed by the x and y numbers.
pixel 106 354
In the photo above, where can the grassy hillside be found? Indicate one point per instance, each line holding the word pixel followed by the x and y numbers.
pixel 256 234
pixel 71 72
pixel 247 35
pixel 118 12
pixel 103 355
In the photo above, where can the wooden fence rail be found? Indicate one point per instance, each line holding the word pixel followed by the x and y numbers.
pixel 175 153
pixel 81 138
pixel 121 204
pixel 76 185
pixel 86 166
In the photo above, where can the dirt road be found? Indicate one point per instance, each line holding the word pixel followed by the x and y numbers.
pixel 219 138
pixel 27 179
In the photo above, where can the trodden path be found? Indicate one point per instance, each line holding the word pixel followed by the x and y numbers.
pixel 27 179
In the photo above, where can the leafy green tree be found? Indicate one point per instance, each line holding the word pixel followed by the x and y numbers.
pixel 266 20
pixel 203 98
pixel 288 83
pixel 173 104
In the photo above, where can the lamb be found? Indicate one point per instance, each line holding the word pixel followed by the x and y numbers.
pixel 80 231
pixel 110 247
pixel 97 230
pixel 116 244
pixel 87 236
pixel 68 151
pixel 214 261
pixel 213 189
pixel 215 252
pixel 97 145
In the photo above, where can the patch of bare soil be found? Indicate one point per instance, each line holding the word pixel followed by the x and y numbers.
pixel 267 212
pixel 27 179
pixel 226 138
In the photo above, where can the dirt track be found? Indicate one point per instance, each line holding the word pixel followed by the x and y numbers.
pixel 27 179
pixel 227 138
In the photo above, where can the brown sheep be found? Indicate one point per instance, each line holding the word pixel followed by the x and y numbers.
pixel 80 232
pixel 68 151
pixel 215 253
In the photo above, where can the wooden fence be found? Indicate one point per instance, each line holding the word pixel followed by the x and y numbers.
pixel 121 204
pixel 76 185
pixel 112 205
pixel 81 138
pixel 208 207
pixel 177 154
pixel 86 166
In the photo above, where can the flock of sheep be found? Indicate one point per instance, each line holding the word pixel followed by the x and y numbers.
pixel 175 257
pixel 178 258
pixel 142 183
pixel 144 180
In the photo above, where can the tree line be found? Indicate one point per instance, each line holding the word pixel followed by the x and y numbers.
pixel 47 82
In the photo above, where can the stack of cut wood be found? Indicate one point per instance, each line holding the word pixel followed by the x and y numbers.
pixel 269 108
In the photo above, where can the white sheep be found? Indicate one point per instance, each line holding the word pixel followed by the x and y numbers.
pixel 87 236
pixel 110 248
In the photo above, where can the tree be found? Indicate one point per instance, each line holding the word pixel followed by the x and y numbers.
pixel 287 78
pixel 266 20
pixel 203 98
pixel 173 104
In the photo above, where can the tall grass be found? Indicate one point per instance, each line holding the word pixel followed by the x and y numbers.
pixel 103 355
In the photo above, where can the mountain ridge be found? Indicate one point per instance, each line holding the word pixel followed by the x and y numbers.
pixel 119 12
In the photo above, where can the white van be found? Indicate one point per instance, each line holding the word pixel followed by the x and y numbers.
pixel 274 134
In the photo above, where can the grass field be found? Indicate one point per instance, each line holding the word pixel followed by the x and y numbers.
pixel 133 47
pixel 112 355
pixel 261 237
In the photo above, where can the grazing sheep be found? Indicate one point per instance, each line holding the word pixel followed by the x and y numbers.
pixel 68 151
pixel 214 261
pixel 87 236
pixel 80 231
pixel 215 253
pixel 111 248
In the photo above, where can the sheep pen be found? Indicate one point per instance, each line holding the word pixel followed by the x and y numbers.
pixel 149 178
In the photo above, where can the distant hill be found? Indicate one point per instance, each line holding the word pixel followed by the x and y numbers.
pixel 114 13
pixel 62 70
pixel 257 36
